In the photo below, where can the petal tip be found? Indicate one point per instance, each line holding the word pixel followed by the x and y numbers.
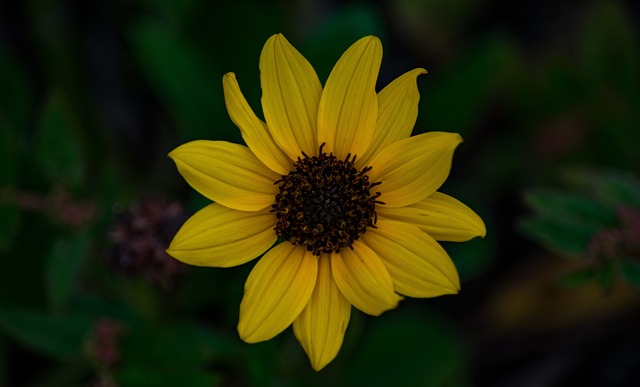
pixel 456 285
pixel 478 227
pixel 452 288
pixel 178 151
pixel 174 253
pixel 456 139
pixel 318 366
pixel 370 42
pixel 245 337
pixel 421 71
pixel 482 232
pixel 276 38
pixel 391 305
pixel 372 39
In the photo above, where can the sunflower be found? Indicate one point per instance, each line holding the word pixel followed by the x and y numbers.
pixel 334 177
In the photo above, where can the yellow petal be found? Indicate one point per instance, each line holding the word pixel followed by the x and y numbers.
pixel 413 168
pixel 349 104
pixel 397 113
pixel 222 237
pixel 441 216
pixel 277 290
pixel 227 173
pixel 418 265
pixel 290 96
pixel 321 325
pixel 254 132
pixel 363 279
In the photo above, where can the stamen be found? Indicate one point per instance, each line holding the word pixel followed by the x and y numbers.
pixel 324 203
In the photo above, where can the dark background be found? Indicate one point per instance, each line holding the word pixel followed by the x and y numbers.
pixel 94 94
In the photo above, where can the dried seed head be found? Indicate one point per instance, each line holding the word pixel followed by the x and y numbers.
pixel 140 236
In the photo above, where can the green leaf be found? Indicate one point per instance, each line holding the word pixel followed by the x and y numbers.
pixel 182 78
pixel 63 266
pixel 408 349
pixel 612 187
pixel 631 272
pixel 563 206
pixel 61 337
pixel 57 148
pixel 566 236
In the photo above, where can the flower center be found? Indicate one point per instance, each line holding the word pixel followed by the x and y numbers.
pixel 324 203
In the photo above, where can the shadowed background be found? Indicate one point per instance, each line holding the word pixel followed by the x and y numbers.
pixel 94 94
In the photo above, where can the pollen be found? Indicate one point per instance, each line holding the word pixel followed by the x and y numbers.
pixel 324 204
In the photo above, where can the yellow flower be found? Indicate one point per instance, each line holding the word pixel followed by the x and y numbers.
pixel 335 176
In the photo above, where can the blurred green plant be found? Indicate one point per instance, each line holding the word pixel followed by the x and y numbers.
pixel 182 76
pixel 596 220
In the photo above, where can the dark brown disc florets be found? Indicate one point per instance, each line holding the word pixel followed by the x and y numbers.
pixel 325 204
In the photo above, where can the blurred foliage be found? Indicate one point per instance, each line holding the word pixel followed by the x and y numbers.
pixel 93 97
pixel 56 147
pixel 176 72
pixel 596 219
